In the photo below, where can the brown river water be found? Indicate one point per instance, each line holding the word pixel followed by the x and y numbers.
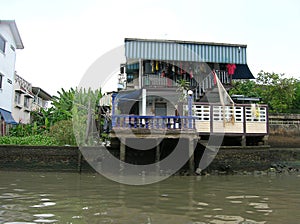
pixel 32 197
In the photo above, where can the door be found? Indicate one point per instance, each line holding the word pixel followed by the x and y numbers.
pixel 160 109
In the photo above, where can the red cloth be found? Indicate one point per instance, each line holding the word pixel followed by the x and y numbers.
pixel 231 68
pixel 215 77
pixel 191 74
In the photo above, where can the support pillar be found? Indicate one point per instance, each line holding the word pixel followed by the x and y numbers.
pixel 157 156
pixel 266 140
pixel 191 156
pixel 122 150
pixel 144 101
pixel 113 110
pixel 243 141
pixel 79 164
pixel 122 154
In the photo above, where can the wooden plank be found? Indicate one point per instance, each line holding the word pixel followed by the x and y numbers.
pixel 256 127
pixel 202 126
pixel 237 127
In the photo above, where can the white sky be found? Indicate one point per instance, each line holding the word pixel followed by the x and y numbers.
pixel 62 38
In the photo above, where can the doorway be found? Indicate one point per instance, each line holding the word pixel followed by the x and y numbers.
pixel 160 109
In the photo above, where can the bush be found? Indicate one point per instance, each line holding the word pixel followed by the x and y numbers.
pixel 23 130
pixel 62 132
pixel 28 140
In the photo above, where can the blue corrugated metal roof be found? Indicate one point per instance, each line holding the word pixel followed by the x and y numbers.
pixel 167 50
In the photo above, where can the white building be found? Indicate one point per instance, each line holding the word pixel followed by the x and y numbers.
pixel 22 100
pixel 26 99
pixel 10 40
pixel 41 99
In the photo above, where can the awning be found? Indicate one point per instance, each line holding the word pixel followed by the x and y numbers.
pixel 128 96
pixel 125 101
pixel 242 72
pixel 7 117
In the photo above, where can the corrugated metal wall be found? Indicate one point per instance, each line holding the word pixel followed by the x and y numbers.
pixel 193 52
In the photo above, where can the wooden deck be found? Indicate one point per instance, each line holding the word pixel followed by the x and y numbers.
pixel 240 119
pixel 207 119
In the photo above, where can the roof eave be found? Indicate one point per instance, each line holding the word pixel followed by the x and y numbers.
pixel 185 42
pixel 39 91
pixel 15 32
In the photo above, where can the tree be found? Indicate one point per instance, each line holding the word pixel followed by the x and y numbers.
pixel 62 105
pixel 72 111
pixel 276 91
pixel 244 87
pixel 296 103
pixel 280 93
pixel 182 87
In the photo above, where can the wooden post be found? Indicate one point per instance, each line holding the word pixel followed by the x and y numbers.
pixel 79 165
pixel 122 154
pixel 266 140
pixel 243 141
pixel 157 155
pixel 191 156
pixel 122 150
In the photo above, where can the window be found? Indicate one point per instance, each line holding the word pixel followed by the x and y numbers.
pixel 37 100
pixel 26 102
pixel 17 98
pixel 2 44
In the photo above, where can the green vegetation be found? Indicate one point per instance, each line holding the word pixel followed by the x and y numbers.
pixel 73 113
pixel 28 140
pixel 62 132
pixel 280 93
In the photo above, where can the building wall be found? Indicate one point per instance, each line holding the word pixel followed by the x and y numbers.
pixel 150 108
pixel 22 100
pixel 7 68
pixel 20 112
pixel 38 103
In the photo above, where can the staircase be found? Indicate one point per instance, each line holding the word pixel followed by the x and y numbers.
pixel 207 90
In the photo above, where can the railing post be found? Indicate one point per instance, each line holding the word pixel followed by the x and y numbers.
pixel 135 122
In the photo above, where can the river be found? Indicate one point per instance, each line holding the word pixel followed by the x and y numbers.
pixel 32 197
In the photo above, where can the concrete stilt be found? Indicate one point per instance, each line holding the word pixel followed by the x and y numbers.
pixel 157 156
pixel 243 141
pixel 191 156
pixel 79 165
pixel 122 154
pixel 266 140
pixel 122 150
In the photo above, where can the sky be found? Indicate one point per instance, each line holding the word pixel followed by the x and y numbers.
pixel 63 38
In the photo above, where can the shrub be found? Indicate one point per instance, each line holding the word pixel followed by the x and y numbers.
pixel 62 132
pixel 28 140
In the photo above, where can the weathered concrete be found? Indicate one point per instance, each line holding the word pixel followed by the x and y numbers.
pixel 284 130
pixel 40 158
pixel 64 159
pixel 254 159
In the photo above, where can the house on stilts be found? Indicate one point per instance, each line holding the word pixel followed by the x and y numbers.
pixel 179 89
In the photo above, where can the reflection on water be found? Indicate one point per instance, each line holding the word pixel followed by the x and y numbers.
pixel 27 198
